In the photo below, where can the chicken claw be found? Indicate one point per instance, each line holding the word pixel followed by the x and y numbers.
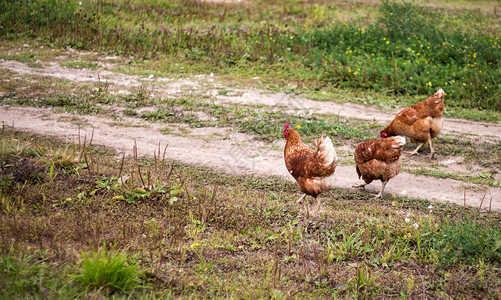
pixel 361 185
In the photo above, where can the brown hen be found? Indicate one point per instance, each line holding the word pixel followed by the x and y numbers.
pixel 421 122
pixel 312 169
pixel 379 159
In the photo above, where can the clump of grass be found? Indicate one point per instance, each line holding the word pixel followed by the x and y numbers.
pixel 29 276
pixel 465 241
pixel 108 270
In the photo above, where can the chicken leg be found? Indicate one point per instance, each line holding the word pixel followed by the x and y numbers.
pixel 382 189
pixel 299 201
pixel 432 151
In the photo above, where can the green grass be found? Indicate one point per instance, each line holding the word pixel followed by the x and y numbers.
pixel 81 65
pixel 399 48
pixel 109 271
pixel 183 231
pixel 483 178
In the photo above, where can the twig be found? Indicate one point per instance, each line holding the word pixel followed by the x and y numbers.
pixel 490 202
pixel 91 137
pixel 141 176
pixel 83 150
pixel 162 165
pixel 137 164
pixel 87 163
pixel 481 202
pixel 422 281
pixel 121 168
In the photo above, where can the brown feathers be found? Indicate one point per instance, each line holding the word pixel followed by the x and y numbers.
pixel 309 167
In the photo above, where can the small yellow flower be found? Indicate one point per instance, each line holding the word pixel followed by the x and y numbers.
pixel 349 70
pixel 393 202
pixel 384 39
pixel 464 84
pixel 387 42
pixel 298 126
pixel 372 54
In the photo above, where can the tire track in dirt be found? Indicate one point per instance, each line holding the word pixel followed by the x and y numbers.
pixel 228 157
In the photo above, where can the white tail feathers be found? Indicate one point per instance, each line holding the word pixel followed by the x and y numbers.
pixel 440 93
pixel 326 150
pixel 400 141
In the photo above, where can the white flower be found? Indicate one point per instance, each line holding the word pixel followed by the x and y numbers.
pixel 151 76
pixel 404 192
pixel 80 3
pixel 211 74
pixel 407 220
pixel 415 225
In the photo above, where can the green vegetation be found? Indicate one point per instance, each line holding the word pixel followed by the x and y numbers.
pixel 402 48
pixel 176 232
pixel 115 272
pixel 81 65
pixel 78 222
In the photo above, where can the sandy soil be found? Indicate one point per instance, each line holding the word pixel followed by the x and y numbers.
pixel 239 154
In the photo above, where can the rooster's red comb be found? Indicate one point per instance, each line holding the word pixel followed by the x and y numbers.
pixel 286 125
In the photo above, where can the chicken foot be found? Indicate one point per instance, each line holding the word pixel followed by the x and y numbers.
pixel 362 185
pixel 415 151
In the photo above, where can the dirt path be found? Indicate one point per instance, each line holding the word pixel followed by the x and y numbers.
pixel 350 110
pixel 226 156
pixel 205 85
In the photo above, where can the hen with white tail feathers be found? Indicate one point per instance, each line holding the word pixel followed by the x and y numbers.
pixel 312 169
pixel 379 159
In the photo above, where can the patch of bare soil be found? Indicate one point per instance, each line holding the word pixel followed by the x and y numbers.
pixel 240 155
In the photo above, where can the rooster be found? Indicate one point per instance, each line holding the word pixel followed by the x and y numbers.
pixel 421 122
pixel 312 169
pixel 379 159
